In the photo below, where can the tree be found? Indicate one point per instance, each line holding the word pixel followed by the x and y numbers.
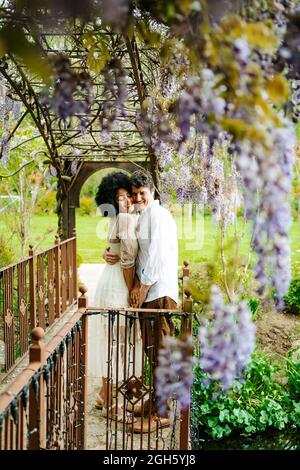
pixel 22 180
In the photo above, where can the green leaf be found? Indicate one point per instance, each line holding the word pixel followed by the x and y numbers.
pixel 97 58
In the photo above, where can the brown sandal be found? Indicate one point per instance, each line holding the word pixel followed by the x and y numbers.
pixel 149 425
pixel 113 412
pixel 99 403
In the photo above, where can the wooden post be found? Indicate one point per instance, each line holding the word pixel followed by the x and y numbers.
pixel 51 286
pixel 32 289
pixel 74 256
pixel 36 404
pixel 57 277
pixel 64 276
pixel 185 278
pixel 83 299
pixel 82 303
pixel 187 307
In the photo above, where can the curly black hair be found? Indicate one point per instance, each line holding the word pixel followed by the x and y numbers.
pixel 106 194
pixel 142 178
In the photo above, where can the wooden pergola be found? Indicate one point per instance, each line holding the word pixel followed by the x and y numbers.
pixel 93 148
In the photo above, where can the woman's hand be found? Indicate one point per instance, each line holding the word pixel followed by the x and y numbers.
pixel 110 258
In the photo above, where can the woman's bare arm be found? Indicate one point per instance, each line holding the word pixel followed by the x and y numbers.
pixel 128 274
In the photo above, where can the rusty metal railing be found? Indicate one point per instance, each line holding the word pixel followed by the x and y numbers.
pixel 35 292
pixel 45 407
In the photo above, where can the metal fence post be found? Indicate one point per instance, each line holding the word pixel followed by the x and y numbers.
pixel 82 303
pixel 57 277
pixel 187 326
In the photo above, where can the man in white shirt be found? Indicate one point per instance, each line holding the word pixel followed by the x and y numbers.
pixel 157 259
pixel 156 283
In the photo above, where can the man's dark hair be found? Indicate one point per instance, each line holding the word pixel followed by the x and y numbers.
pixel 106 194
pixel 142 178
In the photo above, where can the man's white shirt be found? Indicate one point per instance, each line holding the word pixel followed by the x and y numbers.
pixel 157 259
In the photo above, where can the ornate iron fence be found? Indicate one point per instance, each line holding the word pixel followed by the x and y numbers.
pixel 34 292
pixel 45 407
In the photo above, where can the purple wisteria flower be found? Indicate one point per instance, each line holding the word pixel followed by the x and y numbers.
pixel 75 161
pixel 267 180
pixel 115 94
pixel 72 95
pixel 227 341
pixel 174 374
pixel 114 12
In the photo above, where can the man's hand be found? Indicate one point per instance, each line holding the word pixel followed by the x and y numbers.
pixel 110 258
pixel 134 296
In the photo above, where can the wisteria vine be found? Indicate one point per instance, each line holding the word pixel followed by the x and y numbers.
pixel 226 344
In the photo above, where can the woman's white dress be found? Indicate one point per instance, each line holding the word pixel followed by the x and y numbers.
pixel 112 292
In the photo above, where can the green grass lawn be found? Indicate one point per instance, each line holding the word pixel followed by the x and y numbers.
pixel 91 233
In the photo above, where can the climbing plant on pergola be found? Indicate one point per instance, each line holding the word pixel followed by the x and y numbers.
pixel 77 146
pixel 232 63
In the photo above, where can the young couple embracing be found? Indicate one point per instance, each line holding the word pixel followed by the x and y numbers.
pixel 141 271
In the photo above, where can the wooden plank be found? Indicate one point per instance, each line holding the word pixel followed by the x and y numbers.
pixel 74 262
pixel 50 287
pixel 41 291
pixel 63 277
pixel 57 282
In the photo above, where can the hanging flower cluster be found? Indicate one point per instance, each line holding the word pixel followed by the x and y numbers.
pixel 114 12
pixel 227 341
pixel 75 161
pixel 200 99
pixel 115 94
pixel 72 92
pixel 174 374
pixel 199 175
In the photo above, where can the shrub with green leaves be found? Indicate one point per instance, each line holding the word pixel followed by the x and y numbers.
pixel 86 206
pixel 293 373
pixel 258 403
pixel 47 203
pixel 6 253
pixel 292 298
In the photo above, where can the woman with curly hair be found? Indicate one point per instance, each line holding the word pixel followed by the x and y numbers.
pixel 114 286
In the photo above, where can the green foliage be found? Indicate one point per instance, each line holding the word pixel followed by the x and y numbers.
pixel 254 306
pixel 86 206
pixel 292 298
pixel 79 259
pixel 6 253
pixel 293 373
pixel 47 203
pixel 90 187
pixel 258 403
